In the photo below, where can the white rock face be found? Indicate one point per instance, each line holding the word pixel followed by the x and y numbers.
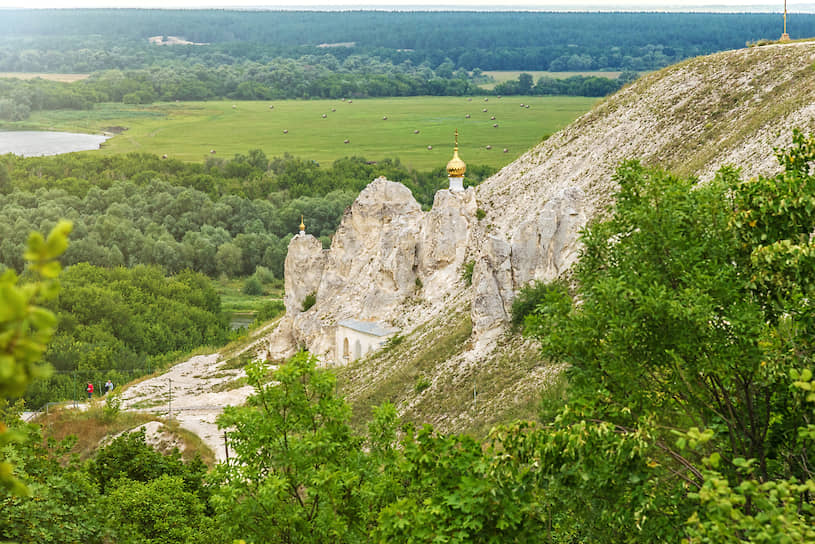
pixel 547 244
pixel 385 252
pixel 492 286
pixel 370 268
pixel 303 271
pixel 445 238
pixel 372 261
pixel 446 230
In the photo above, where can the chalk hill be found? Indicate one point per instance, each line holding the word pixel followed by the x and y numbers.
pixel 456 363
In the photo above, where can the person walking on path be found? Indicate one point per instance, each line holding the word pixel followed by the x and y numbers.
pixel 89 390
pixel 108 387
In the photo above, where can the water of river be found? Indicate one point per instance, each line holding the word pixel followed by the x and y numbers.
pixel 38 143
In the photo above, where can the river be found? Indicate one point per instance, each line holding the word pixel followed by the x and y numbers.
pixel 31 143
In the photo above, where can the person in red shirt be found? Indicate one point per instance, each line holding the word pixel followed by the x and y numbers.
pixel 89 390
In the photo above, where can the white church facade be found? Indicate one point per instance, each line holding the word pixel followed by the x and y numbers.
pixel 355 339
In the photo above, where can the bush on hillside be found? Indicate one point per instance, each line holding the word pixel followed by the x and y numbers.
pixel 530 297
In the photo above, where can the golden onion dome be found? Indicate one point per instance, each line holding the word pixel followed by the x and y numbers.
pixel 456 167
pixel 302 225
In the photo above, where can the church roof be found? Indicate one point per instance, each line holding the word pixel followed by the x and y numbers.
pixel 373 328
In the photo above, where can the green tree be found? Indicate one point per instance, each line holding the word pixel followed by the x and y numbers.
pixel 26 327
pixel 455 489
pixel 252 286
pixel 130 457
pixel 694 305
pixel 61 503
pixel 159 511
pixel 524 83
pixel 228 259
pixel 5 180
pixel 300 473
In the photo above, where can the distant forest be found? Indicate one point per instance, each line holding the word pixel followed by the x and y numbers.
pixel 92 40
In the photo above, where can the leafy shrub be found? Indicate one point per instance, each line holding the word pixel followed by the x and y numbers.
pixel 309 301
pixel 269 310
pixel 159 511
pixel 264 275
pixel 113 405
pixel 422 383
pixel 394 341
pixel 531 296
pixel 467 273
pixel 252 286
pixel 480 214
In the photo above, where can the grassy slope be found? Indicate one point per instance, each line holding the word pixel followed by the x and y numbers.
pixel 91 426
pixel 430 380
pixel 188 131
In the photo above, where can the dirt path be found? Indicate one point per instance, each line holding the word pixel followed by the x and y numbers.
pixel 196 391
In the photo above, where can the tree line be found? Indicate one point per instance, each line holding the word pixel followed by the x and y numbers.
pixel 570 86
pixel 93 40
pixel 306 77
pixel 223 217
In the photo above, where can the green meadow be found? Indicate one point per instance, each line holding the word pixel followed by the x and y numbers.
pixel 317 129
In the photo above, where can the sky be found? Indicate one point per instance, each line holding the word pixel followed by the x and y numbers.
pixel 655 5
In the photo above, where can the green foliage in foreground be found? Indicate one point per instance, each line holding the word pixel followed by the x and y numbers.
pixel 302 475
pixel 695 312
pixel 130 493
pixel 26 327
pixel 531 297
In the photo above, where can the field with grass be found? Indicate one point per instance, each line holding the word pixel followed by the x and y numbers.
pixel 62 78
pixel 317 129
pixel 501 76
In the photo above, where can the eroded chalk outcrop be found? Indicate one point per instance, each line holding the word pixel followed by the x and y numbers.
pixel 385 250
pixel 387 254
pixel 540 249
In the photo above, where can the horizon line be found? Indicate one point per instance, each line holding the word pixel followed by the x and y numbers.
pixel 745 9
